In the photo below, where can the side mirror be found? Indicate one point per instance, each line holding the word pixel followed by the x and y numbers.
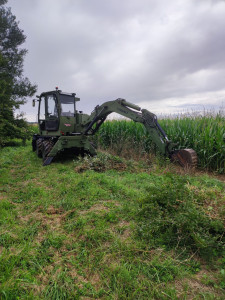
pixel 33 102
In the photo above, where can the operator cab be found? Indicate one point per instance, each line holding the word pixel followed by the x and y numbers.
pixel 54 105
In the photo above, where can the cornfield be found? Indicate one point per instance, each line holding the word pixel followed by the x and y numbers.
pixel 205 134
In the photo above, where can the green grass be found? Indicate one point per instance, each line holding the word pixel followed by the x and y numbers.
pixel 108 228
pixel 205 134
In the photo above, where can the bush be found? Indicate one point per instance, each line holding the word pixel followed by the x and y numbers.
pixel 16 129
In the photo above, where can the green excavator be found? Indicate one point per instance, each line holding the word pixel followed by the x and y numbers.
pixel 63 127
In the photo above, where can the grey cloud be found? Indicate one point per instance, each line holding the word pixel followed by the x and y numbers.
pixel 143 50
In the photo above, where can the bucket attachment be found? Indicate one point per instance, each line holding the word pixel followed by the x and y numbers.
pixel 187 158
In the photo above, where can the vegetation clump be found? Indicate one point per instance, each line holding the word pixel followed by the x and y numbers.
pixel 100 163
pixel 173 214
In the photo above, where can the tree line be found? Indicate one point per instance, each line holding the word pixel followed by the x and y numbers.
pixel 14 87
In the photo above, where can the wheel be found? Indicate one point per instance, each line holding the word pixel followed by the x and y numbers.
pixel 39 147
pixel 34 139
pixel 46 148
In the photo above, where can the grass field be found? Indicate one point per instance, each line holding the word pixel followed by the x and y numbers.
pixel 108 228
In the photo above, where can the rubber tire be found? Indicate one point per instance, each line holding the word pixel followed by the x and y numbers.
pixel 39 146
pixel 46 148
pixel 34 146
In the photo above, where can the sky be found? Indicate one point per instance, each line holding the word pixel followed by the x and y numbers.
pixel 165 56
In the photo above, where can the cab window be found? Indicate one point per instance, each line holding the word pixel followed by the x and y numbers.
pixel 67 105
pixel 42 109
pixel 51 106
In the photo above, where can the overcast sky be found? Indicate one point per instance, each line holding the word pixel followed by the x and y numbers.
pixel 166 56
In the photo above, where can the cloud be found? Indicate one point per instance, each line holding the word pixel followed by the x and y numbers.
pixel 147 51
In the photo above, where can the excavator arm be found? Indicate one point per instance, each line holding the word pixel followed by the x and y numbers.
pixel 186 157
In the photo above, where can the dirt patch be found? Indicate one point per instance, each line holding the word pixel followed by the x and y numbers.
pixel 44 278
pixel 95 280
pixel 54 211
pixel 127 232
pixel 51 220
pixel 91 277
pixel 194 286
pixel 74 274
pixel 124 228
pixel 2 197
pixel 45 275
pixel 99 207
pixel 123 223
pixel 53 271
pixel 114 202
pixel 126 235
pixel 1 249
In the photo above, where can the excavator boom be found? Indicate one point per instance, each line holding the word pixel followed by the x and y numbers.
pixel 133 112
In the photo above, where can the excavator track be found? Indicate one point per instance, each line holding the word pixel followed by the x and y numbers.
pixel 187 158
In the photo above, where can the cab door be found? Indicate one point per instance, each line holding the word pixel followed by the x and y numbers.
pixel 48 116
pixel 41 113
pixel 51 113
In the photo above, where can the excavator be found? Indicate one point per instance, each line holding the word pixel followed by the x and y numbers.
pixel 63 127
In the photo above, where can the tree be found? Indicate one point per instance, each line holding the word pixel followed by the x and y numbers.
pixel 14 88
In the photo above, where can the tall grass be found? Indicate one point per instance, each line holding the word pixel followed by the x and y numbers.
pixel 124 136
pixel 205 134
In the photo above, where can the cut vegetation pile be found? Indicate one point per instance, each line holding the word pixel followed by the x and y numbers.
pixel 108 228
